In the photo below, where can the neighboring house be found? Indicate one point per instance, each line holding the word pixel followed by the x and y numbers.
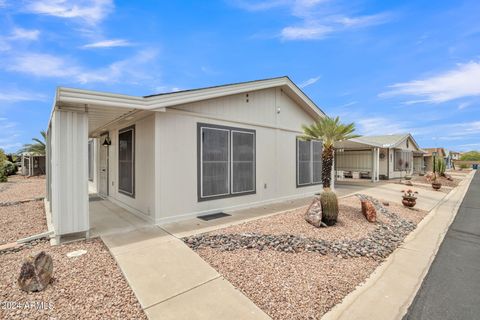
pixel 378 157
pixel 454 155
pixel 32 164
pixel 178 155
pixel 428 157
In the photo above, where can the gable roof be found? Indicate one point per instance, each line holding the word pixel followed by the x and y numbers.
pixel 159 102
pixel 379 141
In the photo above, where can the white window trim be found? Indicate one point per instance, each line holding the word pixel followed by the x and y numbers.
pixel 128 193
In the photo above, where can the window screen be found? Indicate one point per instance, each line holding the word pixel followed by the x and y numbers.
pixel 226 161
pixel 243 161
pixel 126 166
pixel 90 160
pixel 403 160
pixel 215 162
pixel 309 162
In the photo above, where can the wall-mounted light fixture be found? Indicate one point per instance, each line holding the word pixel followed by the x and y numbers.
pixel 107 142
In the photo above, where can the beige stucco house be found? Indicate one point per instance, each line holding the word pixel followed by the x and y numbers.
pixel 178 155
pixel 378 157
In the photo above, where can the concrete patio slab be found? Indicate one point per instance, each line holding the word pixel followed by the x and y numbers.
pixel 397 280
pixel 216 299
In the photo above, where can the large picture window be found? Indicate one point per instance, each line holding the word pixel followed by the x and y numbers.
pixel 126 161
pixel 403 160
pixel 226 161
pixel 90 160
pixel 309 162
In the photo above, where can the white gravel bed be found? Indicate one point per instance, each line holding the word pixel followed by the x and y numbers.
pixel 22 220
pixel 21 188
pixel 87 287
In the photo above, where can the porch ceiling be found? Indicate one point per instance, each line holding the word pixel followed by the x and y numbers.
pixel 352 145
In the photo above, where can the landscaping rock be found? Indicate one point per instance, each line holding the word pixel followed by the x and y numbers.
pixel 36 273
pixel 313 215
pixel 368 210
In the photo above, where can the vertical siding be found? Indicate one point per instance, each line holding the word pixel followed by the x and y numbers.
pixel 69 154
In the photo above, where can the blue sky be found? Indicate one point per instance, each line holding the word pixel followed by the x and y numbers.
pixel 389 66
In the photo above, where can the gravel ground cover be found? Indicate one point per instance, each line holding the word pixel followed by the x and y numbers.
pixel 295 271
pixel 444 181
pixel 22 220
pixel 21 188
pixel 87 287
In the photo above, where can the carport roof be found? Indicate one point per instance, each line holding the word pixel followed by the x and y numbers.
pixel 380 141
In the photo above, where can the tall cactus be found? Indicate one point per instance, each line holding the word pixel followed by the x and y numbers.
pixel 329 202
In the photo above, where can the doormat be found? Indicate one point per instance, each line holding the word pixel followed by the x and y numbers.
pixel 214 216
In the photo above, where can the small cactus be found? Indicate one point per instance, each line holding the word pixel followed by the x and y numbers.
pixel 329 202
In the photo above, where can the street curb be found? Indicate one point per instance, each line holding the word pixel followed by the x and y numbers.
pixel 376 283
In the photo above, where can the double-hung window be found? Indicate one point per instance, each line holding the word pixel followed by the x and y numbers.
pixel 226 161
pixel 126 161
pixel 309 162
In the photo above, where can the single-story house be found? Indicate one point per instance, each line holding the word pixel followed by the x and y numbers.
pixel 378 157
pixel 428 157
pixel 178 155
pixel 32 164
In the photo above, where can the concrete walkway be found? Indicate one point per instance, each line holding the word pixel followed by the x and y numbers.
pixel 172 282
pixel 451 289
pixel 389 291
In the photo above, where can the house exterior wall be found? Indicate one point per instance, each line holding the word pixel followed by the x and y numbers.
pixel 143 202
pixel 69 174
pixel 277 122
pixel 402 146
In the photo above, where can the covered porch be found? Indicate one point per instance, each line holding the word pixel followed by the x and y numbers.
pixel 356 161
pixel 83 152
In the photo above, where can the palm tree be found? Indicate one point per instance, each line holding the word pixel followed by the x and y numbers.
pixel 37 148
pixel 329 130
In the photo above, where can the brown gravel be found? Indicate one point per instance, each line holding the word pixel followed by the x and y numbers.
pixel 87 287
pixel 22 220
pixel 290 286
pixel 444 181
pixel 21 188
pixel 303 285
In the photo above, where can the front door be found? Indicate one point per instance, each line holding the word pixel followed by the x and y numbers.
pixel 103 167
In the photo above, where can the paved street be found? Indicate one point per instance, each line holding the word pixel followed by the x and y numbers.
pixel 451 289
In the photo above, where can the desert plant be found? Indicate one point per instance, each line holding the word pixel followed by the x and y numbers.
pixel 329 203
pixel 329 130
pixel 3 159
pixel 464 166
pixel 9 168
pixel 440 166
pixel 37 148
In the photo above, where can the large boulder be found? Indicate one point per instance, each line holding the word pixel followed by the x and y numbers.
pixel 313 215
pixel 368 210
pixel 36 272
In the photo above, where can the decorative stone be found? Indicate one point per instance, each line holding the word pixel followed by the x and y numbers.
pixel 368 210
pixel 313 215
pixel 408 183
pixel 36 273
pixel 77 253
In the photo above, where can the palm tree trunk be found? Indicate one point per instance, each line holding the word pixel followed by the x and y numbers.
pixel 327 162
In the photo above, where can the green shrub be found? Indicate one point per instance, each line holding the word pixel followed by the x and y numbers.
pixel 9 168
pixel 470 156
pixel 464 166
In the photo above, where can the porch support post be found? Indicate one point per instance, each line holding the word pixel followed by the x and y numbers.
pixel 375 164
pixel 378 164
pixel 69 172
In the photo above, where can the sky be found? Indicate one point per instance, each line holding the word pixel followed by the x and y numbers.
pixel 389 66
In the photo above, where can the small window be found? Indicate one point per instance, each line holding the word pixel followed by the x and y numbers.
pixel 309 162
pixel 90 160
pixel 126 161
pixel 226 165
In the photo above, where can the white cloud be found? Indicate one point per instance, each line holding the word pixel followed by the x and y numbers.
pixel 463 105
pixel 305 32
pixel 380 126
pixel 363 21
pixel 108 44
pixel 129 70
pixel 10 135
pixel 259 5
pixel 12 96
pixel 458 83
pixel 24 34
pixel 89 11
pixel 309 82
